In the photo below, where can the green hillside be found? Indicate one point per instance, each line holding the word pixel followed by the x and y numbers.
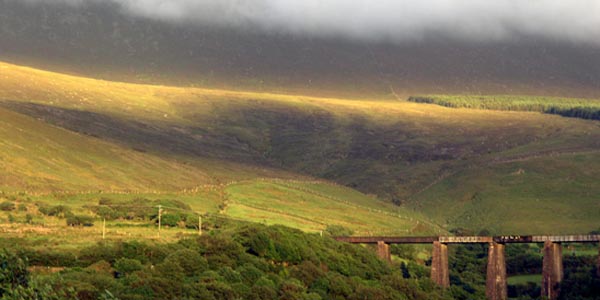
pixel 38 157
pixel 396 151
pixel 45 164
pixel 312 206
pixel 556 192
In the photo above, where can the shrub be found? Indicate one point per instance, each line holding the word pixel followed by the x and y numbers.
pixel 261 292
pixel 171 220
pixel 191 262
pixel 108 213
pixel 13 272
pixel 50 258
pixel 250 274
pixel 126 266
pixel 80 220
pixel 57 210
pixel 191 221
pixel 22 207
pixel 7 206
pixel 404 251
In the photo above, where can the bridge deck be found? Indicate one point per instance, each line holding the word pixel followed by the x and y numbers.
pixel 589 238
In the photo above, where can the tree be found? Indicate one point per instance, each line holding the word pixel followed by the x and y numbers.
pixel 13 271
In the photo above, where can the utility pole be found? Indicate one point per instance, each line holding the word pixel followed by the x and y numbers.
pixel 104 228
pixel 159 217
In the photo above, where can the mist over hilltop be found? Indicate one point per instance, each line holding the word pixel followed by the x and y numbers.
pixel 385 20
pixel 337 47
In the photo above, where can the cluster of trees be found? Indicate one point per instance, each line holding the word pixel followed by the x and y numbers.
pixel 568 107
pixel 175 212
pixel 248 262
pixel 63 211
pixel 468 269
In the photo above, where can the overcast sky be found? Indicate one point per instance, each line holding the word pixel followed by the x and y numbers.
pixel 393 20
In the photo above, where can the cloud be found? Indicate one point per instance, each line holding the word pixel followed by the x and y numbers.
pixel 391 20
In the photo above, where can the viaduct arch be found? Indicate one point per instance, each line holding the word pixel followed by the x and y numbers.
pixel 496 287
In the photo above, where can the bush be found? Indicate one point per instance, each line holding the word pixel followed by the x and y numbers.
pixel 22 207
pixel 56 211
pixel 126 266
pixel 13 272
pixel 404 251
pixel 108 213
pixel 50 258
pixel 170 220
pixel 7 206
pixel 191 262
pixel 191 221
pixel 80 220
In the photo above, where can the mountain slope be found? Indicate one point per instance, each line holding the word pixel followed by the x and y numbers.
pixel 551 192
pixel 40 161
pixel 116 153
pixel 400 151
pixel 38 157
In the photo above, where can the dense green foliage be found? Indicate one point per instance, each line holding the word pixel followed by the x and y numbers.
pixel 568 107
pixel 582 279
pixel 468 271
pixel 249 262
pixel 13 271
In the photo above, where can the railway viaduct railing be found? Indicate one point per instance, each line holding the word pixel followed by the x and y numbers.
pixel 496 288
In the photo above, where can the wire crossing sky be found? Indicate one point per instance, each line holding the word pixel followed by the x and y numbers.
pixel 576 21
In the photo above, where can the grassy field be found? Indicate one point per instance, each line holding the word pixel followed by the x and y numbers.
pixel 307 206
pixel 460 167
pixel 524 279
pixel 311 206
pixel 37 157
pixel 538 195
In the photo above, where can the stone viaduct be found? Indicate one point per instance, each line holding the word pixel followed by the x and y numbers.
pixel 496 288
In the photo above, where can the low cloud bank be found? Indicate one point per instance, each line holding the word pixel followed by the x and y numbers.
pixel 576 21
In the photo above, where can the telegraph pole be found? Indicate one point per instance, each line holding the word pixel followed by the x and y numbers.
pixel 159 217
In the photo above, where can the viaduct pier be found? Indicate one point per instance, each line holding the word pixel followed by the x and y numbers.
pixel 496 288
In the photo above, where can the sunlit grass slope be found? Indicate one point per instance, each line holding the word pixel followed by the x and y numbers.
pixel 312 206
pixel 57 166
pixel 37 157
pixel 397 150
pixel 556 193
